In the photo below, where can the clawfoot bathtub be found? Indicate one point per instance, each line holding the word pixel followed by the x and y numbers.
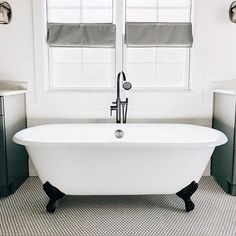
pixel 88 159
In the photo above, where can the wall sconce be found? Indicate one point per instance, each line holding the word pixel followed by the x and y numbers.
pixel 232 12
pixel 5 13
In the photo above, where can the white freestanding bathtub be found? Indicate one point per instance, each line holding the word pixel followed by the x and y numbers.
pixel 88 159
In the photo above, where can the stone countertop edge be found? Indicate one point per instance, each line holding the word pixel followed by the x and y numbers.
pixel 225 91
pixel 11 92
pixel 226 87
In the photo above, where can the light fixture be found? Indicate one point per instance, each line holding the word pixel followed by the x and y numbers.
pixel 5 13
pixel 232 12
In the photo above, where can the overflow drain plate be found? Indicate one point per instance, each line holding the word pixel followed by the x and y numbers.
pixel 119 133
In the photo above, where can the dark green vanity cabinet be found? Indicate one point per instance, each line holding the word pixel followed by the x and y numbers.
pixel 13 157
pixel 223 163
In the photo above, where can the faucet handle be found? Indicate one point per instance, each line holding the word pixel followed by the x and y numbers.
pixel 125 102
pixel 125 109
pixel 112 108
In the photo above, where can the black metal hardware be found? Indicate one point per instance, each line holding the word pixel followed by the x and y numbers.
pixel 186 194
pixel 7 7
pixel 232 12
pixel 54 195
pixel 121 107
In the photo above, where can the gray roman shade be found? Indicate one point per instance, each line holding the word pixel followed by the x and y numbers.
pixel 157 34
pixel 81 35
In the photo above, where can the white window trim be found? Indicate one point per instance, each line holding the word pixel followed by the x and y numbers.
pixel 40 46
pixel 42 74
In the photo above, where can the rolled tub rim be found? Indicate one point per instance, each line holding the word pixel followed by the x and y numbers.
pixel 222 139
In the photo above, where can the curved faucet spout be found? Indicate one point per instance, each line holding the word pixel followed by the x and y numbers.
pixel 126 85
pixel 118 83
pixel 120 106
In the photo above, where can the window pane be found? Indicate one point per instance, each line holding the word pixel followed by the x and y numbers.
pixel 141 15
pixel 141 55
pixel 103 55
pixel 74 16
pixel 161 67
pixel 141 3
pixel 171 54
pixel 174 3
pixel 82 67
pixel 81 75
pixel 97 75
pixel 76 54
pixel 63 3
pixel 67 75
pixel 66 54
pixel 97 3
pixel 174 15
pixel 78 11
pixel 64 16
pixel 171 75
pixel 157 75
pixel 142 74
pixel 97 16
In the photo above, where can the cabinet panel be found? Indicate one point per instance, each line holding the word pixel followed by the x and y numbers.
pixel 13 157
pixel 1 106
pixel 224 116
pixel 233 179
pixel 17 158
pixel 223 165
pixel 2 134
pixel 3 169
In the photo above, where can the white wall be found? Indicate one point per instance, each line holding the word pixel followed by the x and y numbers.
pixel 16 44
pixel 213 58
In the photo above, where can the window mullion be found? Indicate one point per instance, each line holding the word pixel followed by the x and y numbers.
pixel 81 50
pixel 120 27
pixel 156 49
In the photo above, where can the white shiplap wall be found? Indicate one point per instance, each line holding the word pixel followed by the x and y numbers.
pixel 16 44
pixel 213 59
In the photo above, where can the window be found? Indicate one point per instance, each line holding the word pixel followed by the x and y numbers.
pixel 158 67
pixel 96 68
pixel 81 67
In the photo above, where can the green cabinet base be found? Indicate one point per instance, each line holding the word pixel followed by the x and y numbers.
pixel 226 186
pixel 5 191
pixel 13 157
pixel 232 189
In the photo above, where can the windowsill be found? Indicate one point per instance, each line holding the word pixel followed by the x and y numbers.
pixel 102 90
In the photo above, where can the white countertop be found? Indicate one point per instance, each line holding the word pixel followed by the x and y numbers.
pixel 11 92
pixel 225 91
pixel 8 87
pixel 226 87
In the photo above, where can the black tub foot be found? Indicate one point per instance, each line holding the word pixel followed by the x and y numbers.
pixel 54 195
pixel 186 194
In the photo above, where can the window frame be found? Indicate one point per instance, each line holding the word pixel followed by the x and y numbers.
pixel 188 54
pixel 42 56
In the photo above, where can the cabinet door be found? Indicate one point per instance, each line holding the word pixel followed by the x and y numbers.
pixel 3 164
pixel 1 106
pixel 2 134
pixel 3 169
pixel 17 159
pixel 224 120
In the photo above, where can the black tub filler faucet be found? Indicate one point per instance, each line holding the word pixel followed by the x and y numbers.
pixel 121 107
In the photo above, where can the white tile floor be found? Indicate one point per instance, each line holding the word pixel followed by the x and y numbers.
pixel 161 215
